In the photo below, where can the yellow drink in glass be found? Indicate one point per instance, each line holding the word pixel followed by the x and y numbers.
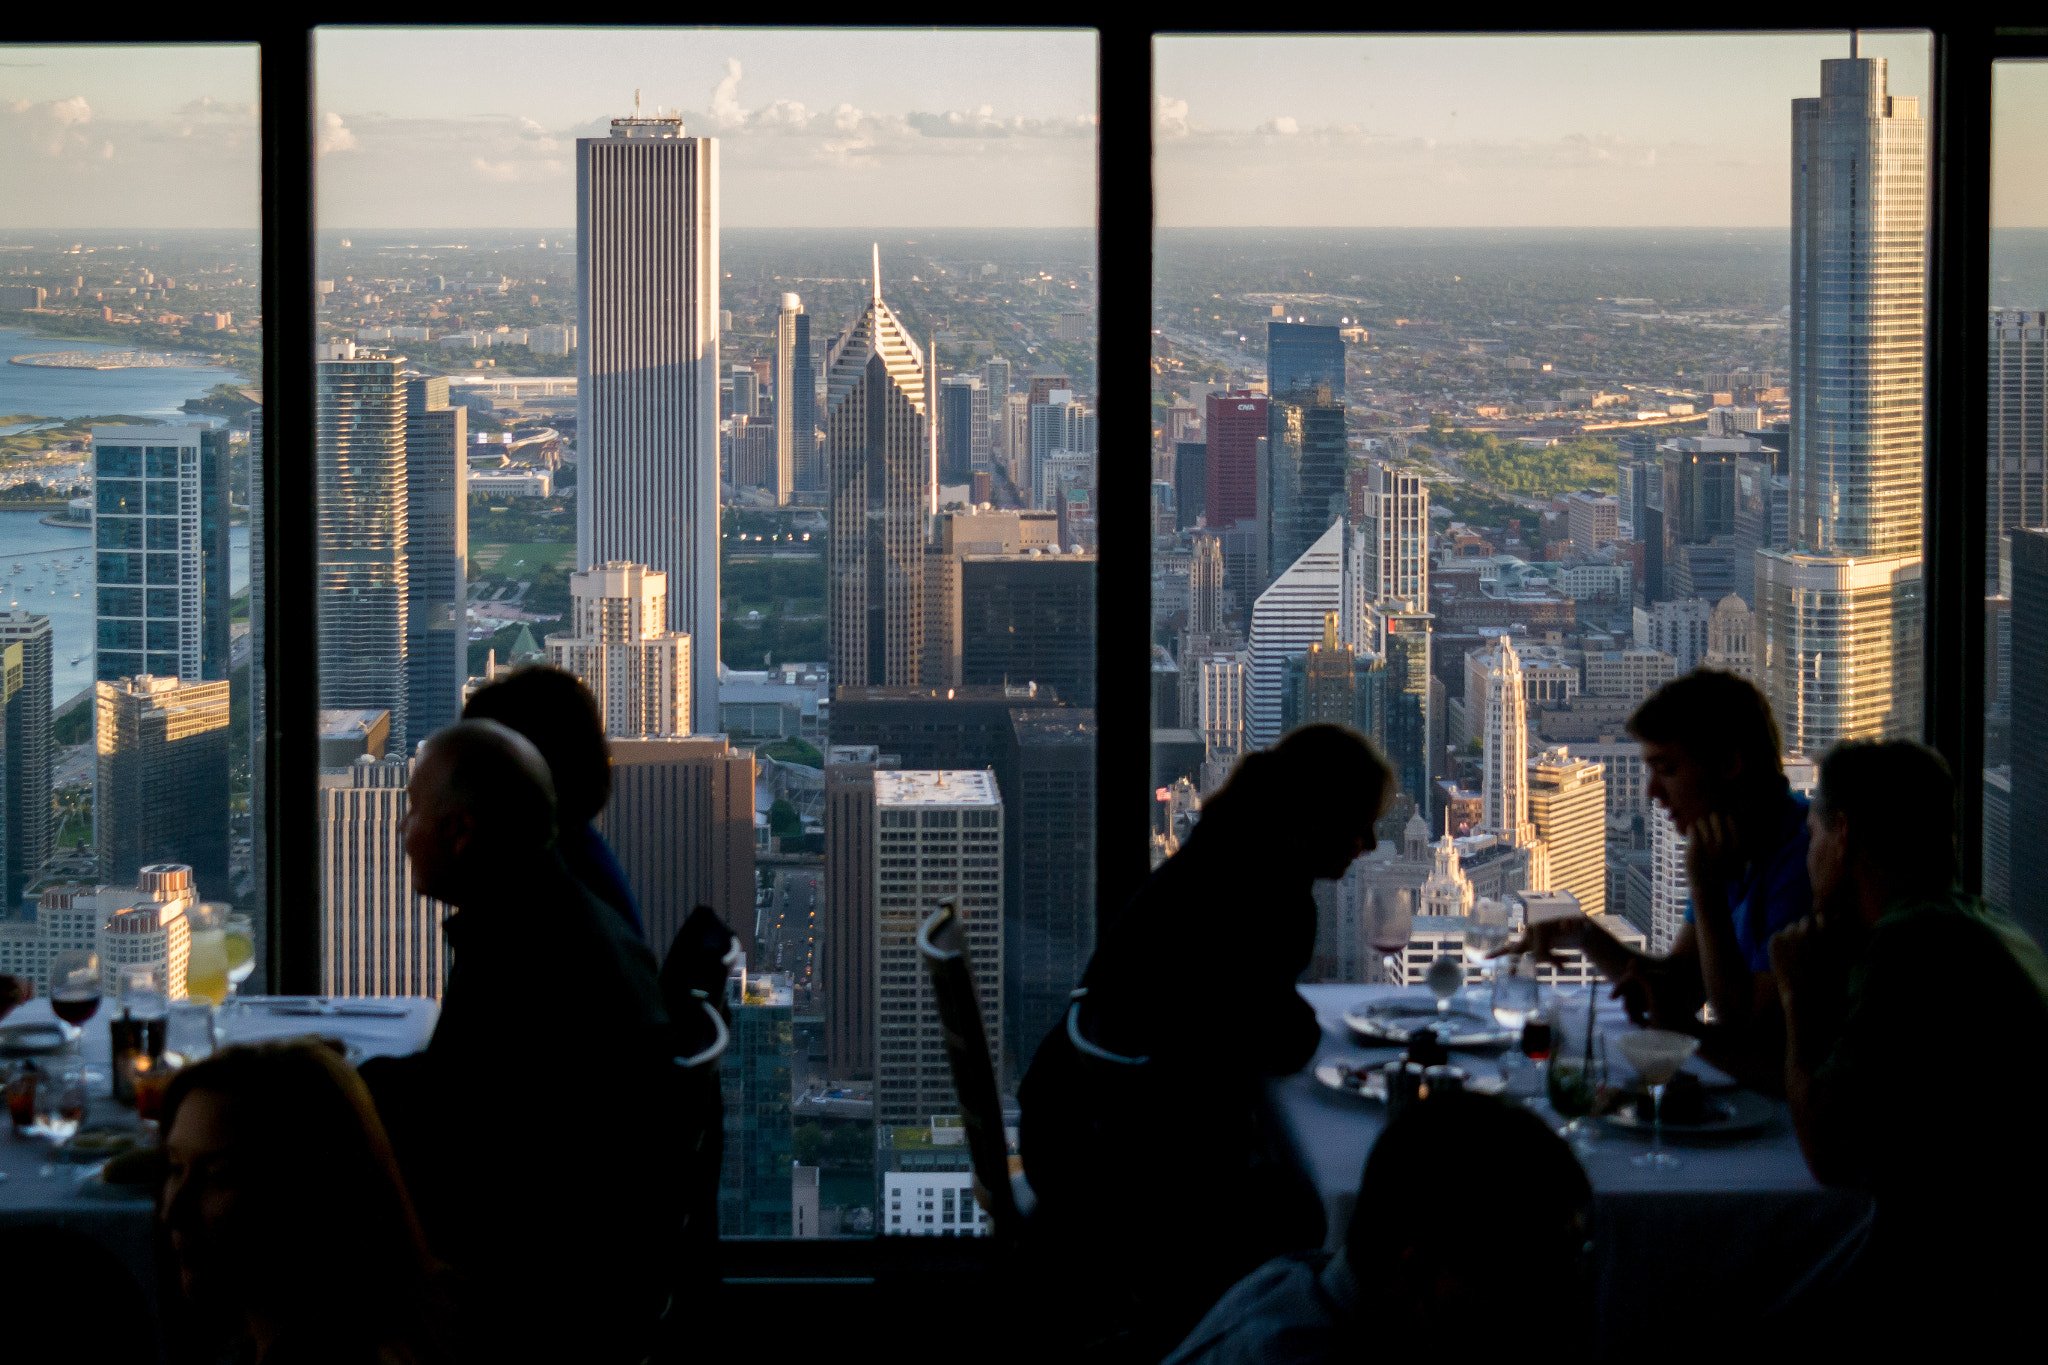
pixel 241 950
pixel 206 974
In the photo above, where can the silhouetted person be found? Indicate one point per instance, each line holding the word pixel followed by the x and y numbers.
pixel 1910 1010
pixel 532 1130
pixel 557 714
pixel 1712 754
pixel 1196 976
pixel 290 1231
pixel 1407 1284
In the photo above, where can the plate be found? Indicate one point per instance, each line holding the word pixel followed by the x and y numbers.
pixel 1743 1112
pixel 1366 1077
pixel 1397 1021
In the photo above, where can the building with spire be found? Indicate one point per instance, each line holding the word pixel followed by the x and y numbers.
pixel 878 461
pixel 1504 787
pixel 796 403
pixel 1447 890
pixel 647 281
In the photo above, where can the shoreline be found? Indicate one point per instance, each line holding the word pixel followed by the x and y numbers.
pixel 51 518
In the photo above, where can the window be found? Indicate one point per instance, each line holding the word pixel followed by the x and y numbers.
pixel 1475 484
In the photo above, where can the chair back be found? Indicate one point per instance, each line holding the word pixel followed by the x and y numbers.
pixel 942 944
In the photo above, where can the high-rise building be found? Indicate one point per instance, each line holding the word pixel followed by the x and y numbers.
pixel 28 832
pixel 756 1083
pixel 2029 809
pixel 681 820
pixel 1411 719
pixel 1049 858
pixel 1207 600
pixel 1504 789
pixel 160 790
pixel 1670 889
pixel 1730 631
pixel 963 428
pixel 1190 483
pixel 362 592
pixel 1222 711
pixel 846 938
pixel 1235 424
pixel 796 404
pixel 878 463
pixel 1568 806
pixel 938 834
pixel 746 391
pixel 1306 462
pixel 1998 838
pixel 1302 357
pixel 436 555
pixel 1678 628
pixel 1630 675
pixel 378 936
pixel 1061 427
pixel 1286 620
pixel 1029 617
pixel 995 377
pixel 1839 615
pixel 954 536
pixel 160 526
pixel 1391 560
pixel 2016 484
pixel 618 645
pixel 1330 680
pixel 1592 518
pixel 647 280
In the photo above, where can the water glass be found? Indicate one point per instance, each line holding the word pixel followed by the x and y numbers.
pixel 189 1031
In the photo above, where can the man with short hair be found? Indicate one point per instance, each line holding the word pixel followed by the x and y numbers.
pixel 1910 1009
pixel 551 1022
pixel 1713 753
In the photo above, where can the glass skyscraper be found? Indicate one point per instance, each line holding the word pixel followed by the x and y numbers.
pixel 1300 358
pixel 363 592
pixel 161 537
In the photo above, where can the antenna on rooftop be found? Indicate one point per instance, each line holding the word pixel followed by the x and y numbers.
pixel 1853 37
pixel 636 101
pixel 877 276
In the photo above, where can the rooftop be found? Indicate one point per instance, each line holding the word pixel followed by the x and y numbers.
pixel 937 787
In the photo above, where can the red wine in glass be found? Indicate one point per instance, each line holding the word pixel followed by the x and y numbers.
pixel 74 1006
pixel 1536 1039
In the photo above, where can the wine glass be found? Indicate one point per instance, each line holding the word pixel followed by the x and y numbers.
pixel 1657 1054
pixel 1486 929
pixel 1444 977
pixel 75 988
pixel 1389 924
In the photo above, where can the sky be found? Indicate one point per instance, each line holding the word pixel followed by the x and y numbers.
pixel 475 128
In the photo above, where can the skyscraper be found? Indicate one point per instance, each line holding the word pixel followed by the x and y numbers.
pixel 27 830
pixel 1049 854
pixel 1390 561
pixel 618 646
pixel 160 791
pixel 1286 620
pixel 846 939
pixel 362 592
pixel 161 528
pixel 1301 357
pixel 378 936
pixel 681 819
pixel 1235 424
pixel 436 554
pixel 2016 485
pixel 1411 718
pixel 796 404
pixel 2029 782
pixel 879 489
pixel 1504 784
pixel 1330 680
pixel 1840 613
pixel 1190 483
pixel 1306 462
pixel 954 536
pixel 756 1085
pixel 1029 617
pixel 952 824
pixel 1567 799
pixel 963 428
pixel 647 278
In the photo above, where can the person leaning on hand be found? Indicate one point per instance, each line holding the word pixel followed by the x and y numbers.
pixel 1713 756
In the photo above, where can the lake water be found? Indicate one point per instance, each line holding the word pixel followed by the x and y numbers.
pixel 48 569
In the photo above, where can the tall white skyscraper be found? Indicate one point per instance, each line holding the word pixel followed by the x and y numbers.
pixel 796 403
pixel 621 649
pixel 363 592
pixel 1504 789
pixel 1670 892
pixel 648 370
pixel 1286 620
pixel 1393 552
pixel 1839 614
pixel 937 834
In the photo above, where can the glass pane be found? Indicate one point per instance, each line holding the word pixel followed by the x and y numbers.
pixel 130 310
pixel 1479 419
pixel 612 378
pixel 2016 505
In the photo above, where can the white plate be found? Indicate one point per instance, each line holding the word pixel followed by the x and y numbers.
pixel 1365 1077
pixel 1745 1112
pixel 1394 1022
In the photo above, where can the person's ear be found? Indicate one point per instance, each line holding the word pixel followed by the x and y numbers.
pixel 459 829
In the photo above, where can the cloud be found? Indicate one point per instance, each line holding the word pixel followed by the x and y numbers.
pixel 197 165
pixel 517 172
pixel 1173 117
pixel 725 97
pixel 1284 126
pixel 335 135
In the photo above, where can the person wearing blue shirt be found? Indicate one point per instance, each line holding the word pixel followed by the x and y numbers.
pixel 1713 755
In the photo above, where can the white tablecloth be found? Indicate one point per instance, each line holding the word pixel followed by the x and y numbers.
pixel 1730 1229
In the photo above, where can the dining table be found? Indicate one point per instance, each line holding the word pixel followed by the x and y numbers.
pixel 39 1189
pixel 1722 1236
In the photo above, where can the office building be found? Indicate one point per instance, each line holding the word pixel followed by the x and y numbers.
pixel 647 280
pixel 1998 838
pixel 436 555
pixel 926 1203
pixel 1234 426
pixel 346 736
pixel 1412 720
pixel 1678 628
pixel 1329 683
pixel 160 528
pixel 1670 889
pixel 995 377
pixel 1285 621
pixel 1208 600
pixel 1301 358
pixel 1029 617
pixel 160 789
pixel 362 589
pixel 963 428
pixel 618 645
pixel 2016 486
pixel 879 491
pixel 1592 519
pixel 796 404
pixel 756 1084
pixel 259 839
pixel 1629 675
pixel 742 392
pixel 1061 427
pixel 1049 860
pixel 1567 799
pixel 27 824
pixel 1306 464
pixel 2029 782
pixel 378 936
pixel 956 535
pixel 1839 615
pixel 681 823
pixel 1504 809
pixel 938 835
pixel 144 923
pixel 1190 483
pixel 1731 627
pixel 846 937
pixel 1390 562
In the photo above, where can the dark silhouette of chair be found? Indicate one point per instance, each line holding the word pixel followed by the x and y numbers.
pixel 1004 1192
pixel 693 977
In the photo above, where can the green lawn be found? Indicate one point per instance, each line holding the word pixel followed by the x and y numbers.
pixel 518 561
